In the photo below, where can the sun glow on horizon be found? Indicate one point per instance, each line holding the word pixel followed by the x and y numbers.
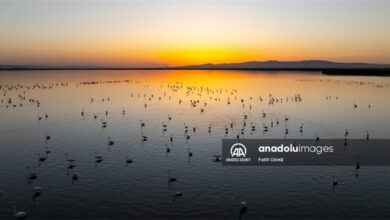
pixel 157 34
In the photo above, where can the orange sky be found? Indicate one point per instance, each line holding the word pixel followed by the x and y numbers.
pixel 183 33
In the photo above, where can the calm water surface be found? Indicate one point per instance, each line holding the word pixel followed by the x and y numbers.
pixel 110 189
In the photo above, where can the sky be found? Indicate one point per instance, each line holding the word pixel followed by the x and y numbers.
pixel 175 33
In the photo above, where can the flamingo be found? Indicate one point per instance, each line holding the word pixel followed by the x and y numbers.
pixel 70 160
pixel 128 161
pixel 98 159
pixel 144 138
pixel 334 182
pixel 217 158
pixel 189 152
pixel 168 149
pixel 31 177
pixel 47 137
pixel 243 207
pixel 37 192
pixel 19 214
pixel 75 177
pixel 177 194
pixel 110 142
pixel 47 151
pixel 357 168
pixel 171 178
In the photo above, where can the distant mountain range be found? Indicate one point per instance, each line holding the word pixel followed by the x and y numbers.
pixel 274 64
pixel 271 64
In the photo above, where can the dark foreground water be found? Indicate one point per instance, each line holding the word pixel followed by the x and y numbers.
pixel 325 105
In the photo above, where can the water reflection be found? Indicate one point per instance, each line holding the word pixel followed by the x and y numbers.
pixel 107 140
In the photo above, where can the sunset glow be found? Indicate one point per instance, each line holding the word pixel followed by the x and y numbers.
pixel 150 34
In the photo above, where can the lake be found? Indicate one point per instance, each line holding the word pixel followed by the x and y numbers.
pixel 82 111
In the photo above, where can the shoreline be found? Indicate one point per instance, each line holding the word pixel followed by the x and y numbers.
pixel 325 71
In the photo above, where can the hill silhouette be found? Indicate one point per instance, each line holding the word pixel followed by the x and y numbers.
pixel 274 64
pixel 326 67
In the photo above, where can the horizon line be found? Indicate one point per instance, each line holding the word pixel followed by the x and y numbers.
pixel 166 66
